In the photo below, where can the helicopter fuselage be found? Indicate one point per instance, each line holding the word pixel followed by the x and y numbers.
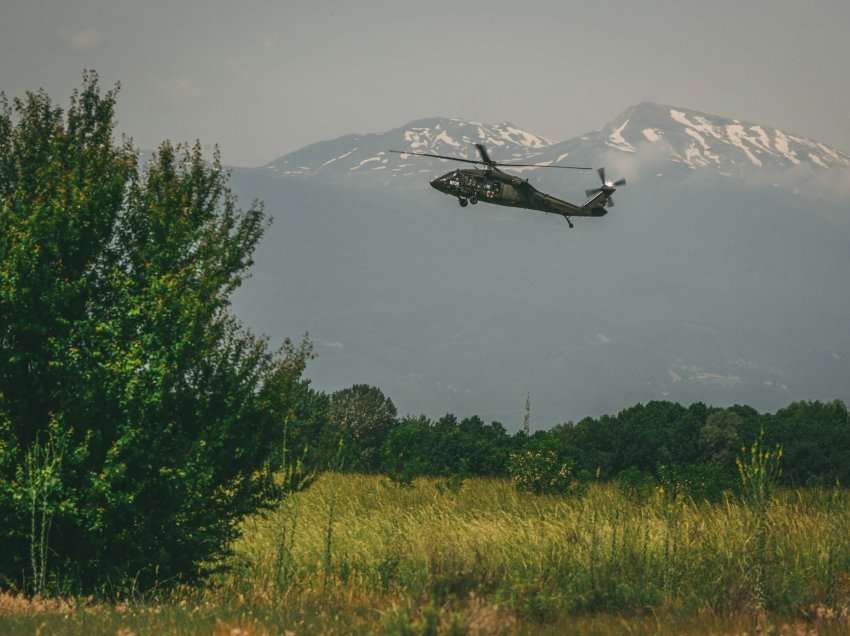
pixel 494 186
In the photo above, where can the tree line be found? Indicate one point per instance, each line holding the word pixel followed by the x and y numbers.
pixel 652 440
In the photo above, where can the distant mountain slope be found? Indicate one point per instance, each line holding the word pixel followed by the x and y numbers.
pixel 357 155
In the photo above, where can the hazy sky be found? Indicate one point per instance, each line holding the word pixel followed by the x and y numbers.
pixel 262 78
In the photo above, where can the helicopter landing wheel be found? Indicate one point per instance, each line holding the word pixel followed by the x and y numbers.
pixel 463 202
pixel 473 200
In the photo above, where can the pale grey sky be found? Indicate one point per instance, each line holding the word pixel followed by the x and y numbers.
pixel 262 78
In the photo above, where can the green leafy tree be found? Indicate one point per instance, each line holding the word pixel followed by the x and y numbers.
pixel 362 416
pixel 407 449
pixel 720 438
pixel 304 414
pixel 117 340
pixel 815 437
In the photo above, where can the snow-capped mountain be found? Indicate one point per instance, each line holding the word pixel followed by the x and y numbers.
pixel 651 132
pixel 644 137
pixel 357 155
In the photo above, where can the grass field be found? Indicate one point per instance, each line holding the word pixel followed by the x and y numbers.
pixel 358 554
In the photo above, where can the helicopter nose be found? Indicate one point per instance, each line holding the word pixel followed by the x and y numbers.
pixel 437 184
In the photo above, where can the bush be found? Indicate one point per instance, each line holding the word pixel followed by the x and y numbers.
pixel 136 414
pixel 635 484
pixel 705 482
pixel 541 472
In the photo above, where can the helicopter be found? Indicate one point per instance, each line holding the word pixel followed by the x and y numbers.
pixel 492 185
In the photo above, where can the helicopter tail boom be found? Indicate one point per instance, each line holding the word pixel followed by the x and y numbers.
pixel 597 201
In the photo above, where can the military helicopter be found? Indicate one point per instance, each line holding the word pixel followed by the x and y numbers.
pixel 492 185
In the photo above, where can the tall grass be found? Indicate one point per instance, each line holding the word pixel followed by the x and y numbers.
pixel 361 555
pixel 545 555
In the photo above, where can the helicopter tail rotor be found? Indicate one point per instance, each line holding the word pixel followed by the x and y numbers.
pixel 607 187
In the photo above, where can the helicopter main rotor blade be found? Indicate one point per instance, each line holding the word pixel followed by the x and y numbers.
pixel 425 154
pixel 537 165
pixel 485 160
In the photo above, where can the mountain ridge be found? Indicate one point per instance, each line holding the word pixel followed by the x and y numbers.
pixel 648 131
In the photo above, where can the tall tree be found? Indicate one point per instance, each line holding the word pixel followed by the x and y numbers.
pixel 362 415
pixel 119 352
pixel 720 438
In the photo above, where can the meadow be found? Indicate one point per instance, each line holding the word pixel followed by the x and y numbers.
pixel 362 554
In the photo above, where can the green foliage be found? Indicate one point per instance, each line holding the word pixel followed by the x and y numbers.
pixel 417 446
pixel 698 481
pixel 815 439
pixel 635 484
pixel 541 472
pixel 407 450
pixel 40 478
pixel 119 355
pixel 304 414
pixel 692 448
pixel 362 416
pixel 719 438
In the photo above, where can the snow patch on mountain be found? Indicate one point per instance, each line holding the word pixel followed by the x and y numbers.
pixel 616 139
pixel 737 138
pixel 652 134
pixel 816 159
pixel 783 147
pixel 342 156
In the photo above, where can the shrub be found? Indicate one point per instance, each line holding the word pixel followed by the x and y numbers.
pixel 705 482
pixel 136 414
pixel 540 471
pixel 635 484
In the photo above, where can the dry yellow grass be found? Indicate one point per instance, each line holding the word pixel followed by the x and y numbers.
pixel 600 551
pixel 361 555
